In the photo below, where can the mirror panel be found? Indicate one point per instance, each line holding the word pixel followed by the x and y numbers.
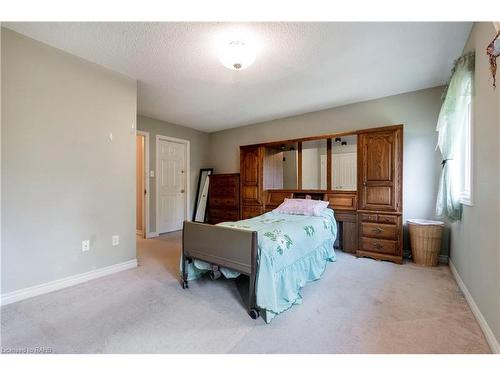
pixel 280 167
pixel 202 196
pixel 344 163
pixel 314 165
pixel 290 180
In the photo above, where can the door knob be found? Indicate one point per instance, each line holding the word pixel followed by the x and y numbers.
pixel 182 191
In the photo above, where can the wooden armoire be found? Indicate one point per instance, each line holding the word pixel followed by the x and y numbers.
pixel 380 194
pixel 370 218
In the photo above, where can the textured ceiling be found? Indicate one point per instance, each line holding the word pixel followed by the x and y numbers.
pixel 300 67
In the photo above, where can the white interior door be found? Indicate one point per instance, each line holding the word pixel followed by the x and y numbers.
pixel 171 185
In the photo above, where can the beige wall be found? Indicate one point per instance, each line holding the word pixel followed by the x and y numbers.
pixel 63 180
pixel 199 156
pixel 475 243
pixel 418 111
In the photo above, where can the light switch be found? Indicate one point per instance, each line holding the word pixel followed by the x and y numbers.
pixel 115 240
pixel 151 173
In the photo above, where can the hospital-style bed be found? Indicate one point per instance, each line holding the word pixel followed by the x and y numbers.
pixel 280 253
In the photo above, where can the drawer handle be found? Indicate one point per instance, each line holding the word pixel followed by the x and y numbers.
pixel 377 245
pixel 377 230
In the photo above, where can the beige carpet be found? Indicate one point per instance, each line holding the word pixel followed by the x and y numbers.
pixel 359 306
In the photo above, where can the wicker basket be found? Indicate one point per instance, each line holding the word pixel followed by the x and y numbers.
pixel 425 238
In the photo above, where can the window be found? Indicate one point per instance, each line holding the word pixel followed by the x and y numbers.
pixel 466 162
pixel 455 137
pixel 460 162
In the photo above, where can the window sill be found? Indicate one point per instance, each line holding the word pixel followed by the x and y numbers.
pixel 466 200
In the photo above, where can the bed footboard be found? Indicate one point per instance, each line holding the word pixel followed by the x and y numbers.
pixel 220 246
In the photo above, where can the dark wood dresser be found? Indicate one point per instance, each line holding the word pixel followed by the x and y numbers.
pixel 224 198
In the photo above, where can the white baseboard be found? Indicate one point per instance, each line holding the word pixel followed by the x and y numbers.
pixel 151 234
pixel 32 291
pixel 488 333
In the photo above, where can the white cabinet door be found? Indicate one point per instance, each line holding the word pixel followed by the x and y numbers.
pixel 344 171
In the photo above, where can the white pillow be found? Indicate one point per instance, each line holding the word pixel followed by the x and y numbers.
pixel 307 207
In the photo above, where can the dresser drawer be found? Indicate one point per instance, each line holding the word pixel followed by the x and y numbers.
pixel 218 202
pixel 219 215
pixel 229 182
pixel 378 230
pixel 342 201
pixel 379 246
pixel 388 219
pixel 224 192
pixel 379 218
pixel 368 217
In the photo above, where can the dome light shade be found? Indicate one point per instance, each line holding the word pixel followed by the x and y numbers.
pixel 237 55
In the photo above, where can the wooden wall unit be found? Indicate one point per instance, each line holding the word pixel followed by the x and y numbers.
pixel 224 198
pixel 380 170
pixel 371 217
pixel 380 188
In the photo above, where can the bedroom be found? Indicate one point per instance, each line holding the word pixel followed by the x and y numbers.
pixel 276 173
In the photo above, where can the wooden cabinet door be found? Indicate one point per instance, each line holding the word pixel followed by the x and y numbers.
pixel 251 174
pixel 380 169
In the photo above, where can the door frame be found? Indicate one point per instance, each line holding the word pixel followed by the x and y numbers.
pixel 187 174
pixel 147 196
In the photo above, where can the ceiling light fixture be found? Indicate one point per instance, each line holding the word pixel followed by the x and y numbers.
pixel 237 54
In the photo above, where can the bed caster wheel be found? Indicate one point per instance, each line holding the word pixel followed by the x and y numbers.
pixel 214 275
pixel 185 285
pixel 254 313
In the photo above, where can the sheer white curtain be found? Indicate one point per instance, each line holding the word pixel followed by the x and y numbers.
pixel 452 127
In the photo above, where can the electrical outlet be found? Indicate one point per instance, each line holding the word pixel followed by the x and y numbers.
pixel 115 240
pixel 86 245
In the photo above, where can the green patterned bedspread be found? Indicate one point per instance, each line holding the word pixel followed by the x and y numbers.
pixel 292 250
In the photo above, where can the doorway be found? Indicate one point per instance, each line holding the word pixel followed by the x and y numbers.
pixel 172 183
pixel 142 183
